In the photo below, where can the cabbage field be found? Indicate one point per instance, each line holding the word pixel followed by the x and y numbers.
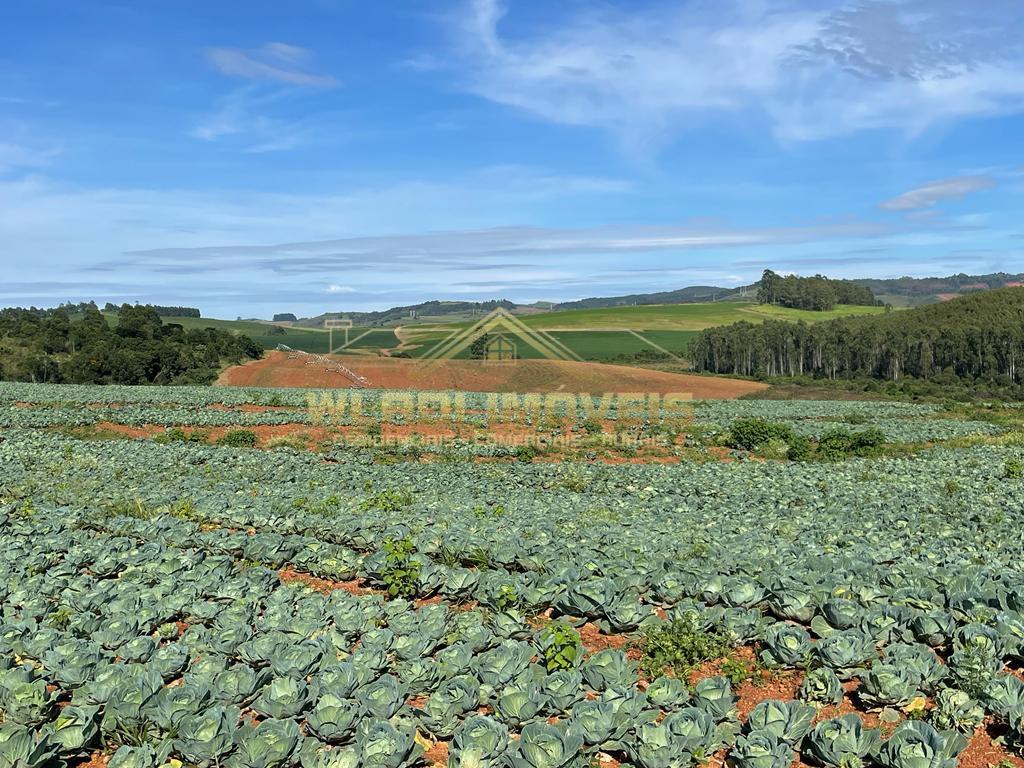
pixel 176 602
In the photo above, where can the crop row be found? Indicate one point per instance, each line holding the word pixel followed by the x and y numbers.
pixel 200 397
pixel 143 607
pixel 917 424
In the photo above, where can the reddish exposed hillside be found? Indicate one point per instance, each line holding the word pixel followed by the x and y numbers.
pixel 278 370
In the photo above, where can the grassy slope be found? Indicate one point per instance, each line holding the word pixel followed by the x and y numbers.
pixel 596 334
pixel 682 317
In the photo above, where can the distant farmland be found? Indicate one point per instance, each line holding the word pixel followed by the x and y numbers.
pixel 592 334
pixel 607 333
pixel 683 317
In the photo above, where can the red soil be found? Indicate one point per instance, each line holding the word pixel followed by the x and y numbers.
pixel 264 432
pixel 437 754
pixel 95 760
pixel 325 586
pixel 714 668
pixel 276 369
pixel 150 430
pixel 593 640
pixel 983 752
pixel 779 687
pixel 430 435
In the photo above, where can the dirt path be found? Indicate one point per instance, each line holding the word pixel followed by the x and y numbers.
pixel 404 345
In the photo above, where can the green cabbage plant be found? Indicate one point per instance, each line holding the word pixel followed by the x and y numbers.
pixel 382 745
pixel 21 747
pixel 549 746
pixel 480 742
pixel 787 721
pixel 267 745
pixel 886 685
pixel 842 742
pixel 284 697
pixel 916 744
pixel 333 719
pixel 760 749
pixel 955 710
pixel 786 645
pixel 821 687
pixel 207 737
pixel 668 693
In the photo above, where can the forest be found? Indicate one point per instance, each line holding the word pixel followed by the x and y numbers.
pixel 160 309
pixel 817 293
pixel 979 337
pixel 76 309
pixel 58 346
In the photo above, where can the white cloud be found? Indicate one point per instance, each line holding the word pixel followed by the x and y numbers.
pixel 335 288
pixel 647 76
pixel 274 61
pixel 928 195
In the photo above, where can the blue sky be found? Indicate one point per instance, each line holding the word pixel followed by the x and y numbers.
pixel 259 156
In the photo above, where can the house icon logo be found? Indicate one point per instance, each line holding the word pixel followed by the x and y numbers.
pixel 498 337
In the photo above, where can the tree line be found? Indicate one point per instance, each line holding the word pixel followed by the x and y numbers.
pixel 160 309
pixel 76 309
pixel 974 338
pixel 818 293
pixel 83 348
pixel 925 289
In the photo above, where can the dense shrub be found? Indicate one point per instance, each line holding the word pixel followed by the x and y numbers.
pixel 752 434
pixel 238 438
pixel 680 645
pixel 837 444
pixel 800 449
pixel 1013 469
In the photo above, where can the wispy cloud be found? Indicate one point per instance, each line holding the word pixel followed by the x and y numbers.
pixel 278 72
pixel 932 193
pixel 241 114
pixel 469 247
pixel 917 40
pixel 278 62
pixel 250 253
pixel 810 74
pixel 18 156
pixel 56 230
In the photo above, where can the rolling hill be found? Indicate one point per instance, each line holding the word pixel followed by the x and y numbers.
pixel 613 332
pixel 600 328
pixel 590 334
